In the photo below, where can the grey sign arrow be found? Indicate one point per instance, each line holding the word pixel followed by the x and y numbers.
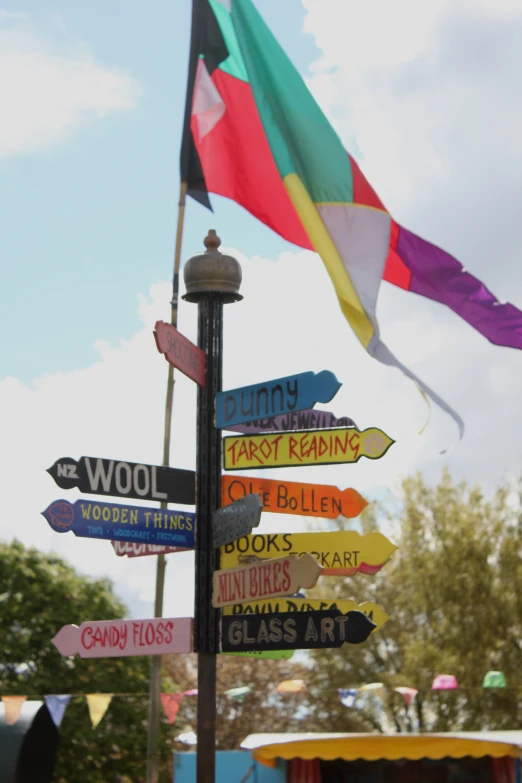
pixel 236 520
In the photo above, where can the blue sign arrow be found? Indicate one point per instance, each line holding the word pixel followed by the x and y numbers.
pixel 272 398
pixel 116 522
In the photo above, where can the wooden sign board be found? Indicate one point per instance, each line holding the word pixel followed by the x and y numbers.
pixel 264 579
pixel 180 352
pixel 340 553
pixel 284 605
pixel 118 638
pixel 308 419
pixel 125 548
pixel 271 398
pixel 236 520
pixel 291 497
pixel 294 630
pixel 98 476
pixel 309 447
pixel 113 521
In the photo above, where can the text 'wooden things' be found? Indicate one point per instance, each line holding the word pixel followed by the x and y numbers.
pixel 113 521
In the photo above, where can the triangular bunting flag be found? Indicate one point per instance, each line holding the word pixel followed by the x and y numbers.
pixel 444 682
pixel 57 706
pixel 238 693
pixel 193 692
pixel 98 704
pixel 170 703
pixel 347 696
pixel 408 694
pixel 12 708
pixel 291 686
pixel 372 686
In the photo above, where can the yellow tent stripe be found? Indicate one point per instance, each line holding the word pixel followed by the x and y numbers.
pixel 323 244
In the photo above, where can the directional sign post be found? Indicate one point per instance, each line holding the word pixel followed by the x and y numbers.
pixel 125 479
pixel 236 520
pixel 294 630
pixel 309 447
pixel 112 521
pixel 125 548
pixel 180 352
pixel 291 497
pixel 118 638
pixel 265 579
pixel 308 419
pixel 340 553
pixel 283 395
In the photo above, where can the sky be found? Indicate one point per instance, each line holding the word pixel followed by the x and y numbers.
pixel 426 96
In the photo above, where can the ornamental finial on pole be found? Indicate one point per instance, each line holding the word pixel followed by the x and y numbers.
pixel 212 272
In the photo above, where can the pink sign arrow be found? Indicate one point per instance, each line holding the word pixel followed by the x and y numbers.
pixel 116 638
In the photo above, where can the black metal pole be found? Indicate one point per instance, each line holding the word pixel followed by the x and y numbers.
pixel 208 499
pixel 212 279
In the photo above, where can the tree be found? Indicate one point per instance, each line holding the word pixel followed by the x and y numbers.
pixel 453 593
pixel 40 593
pixel 261 710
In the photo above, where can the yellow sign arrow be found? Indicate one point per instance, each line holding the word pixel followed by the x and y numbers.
pixel 340 553
pixel 308 447
pixel 276 605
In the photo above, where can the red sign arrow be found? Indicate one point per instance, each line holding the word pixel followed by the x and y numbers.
pixel 180 352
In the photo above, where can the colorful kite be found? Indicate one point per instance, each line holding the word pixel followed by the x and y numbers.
pixel 254 133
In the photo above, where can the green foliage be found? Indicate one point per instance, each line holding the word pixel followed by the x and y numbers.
pixel 453 593
pixel 39 593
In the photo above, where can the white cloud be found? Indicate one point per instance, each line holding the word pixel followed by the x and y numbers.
pixel 288 322
pixel 48 90
pixel 428 97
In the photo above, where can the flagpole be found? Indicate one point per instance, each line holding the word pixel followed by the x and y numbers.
pixel 155 672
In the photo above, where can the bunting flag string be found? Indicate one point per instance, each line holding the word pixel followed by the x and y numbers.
pixel 98 703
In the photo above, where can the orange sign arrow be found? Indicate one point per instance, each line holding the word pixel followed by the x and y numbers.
pixel 292 497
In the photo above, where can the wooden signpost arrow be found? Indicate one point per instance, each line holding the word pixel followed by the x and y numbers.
pixel 308 419
pixel 309 447
pixel 125 548
pixel 294 630
pixel 98 476
pixel 276 605
pixel 340 553
pixel 291 497
pixel 118 638
pixel 112 521
pixel 264 579
pixel 271 398
pixel 180 352
pixel 236 520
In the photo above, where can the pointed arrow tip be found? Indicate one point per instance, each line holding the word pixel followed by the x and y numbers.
pixel 66 640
